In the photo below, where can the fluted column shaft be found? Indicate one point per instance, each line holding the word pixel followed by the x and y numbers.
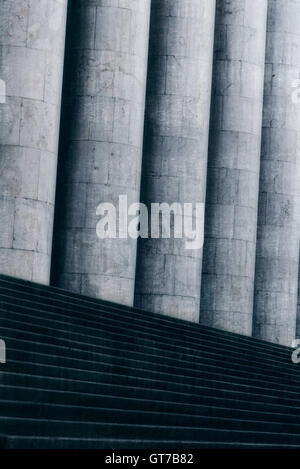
pixel 233 165
pixel 102 137
pixel 175 150
pixel 277 258
pixel 32 41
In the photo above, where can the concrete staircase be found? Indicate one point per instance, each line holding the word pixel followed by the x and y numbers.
pixel 83 373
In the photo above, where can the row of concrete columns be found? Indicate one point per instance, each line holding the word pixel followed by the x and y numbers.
pixel 233 64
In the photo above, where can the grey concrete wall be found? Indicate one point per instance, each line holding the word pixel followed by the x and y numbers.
pixel 175 150
pixel 102 137
pixel 233 165
pixel 276 279
pixel 32 39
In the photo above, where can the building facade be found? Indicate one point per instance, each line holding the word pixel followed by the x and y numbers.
pixel 179 102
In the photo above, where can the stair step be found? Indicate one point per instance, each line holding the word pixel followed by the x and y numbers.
pixel 85 373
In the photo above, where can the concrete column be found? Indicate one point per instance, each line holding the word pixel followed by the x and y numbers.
pixel 298 307
pixel 233 165
pixel 32 40
pixel 102 138
pixel 277 259
pixel 175 150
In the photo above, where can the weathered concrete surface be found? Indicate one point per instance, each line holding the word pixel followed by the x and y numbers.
pixel 175 150
pixel 276 279
pixel 298 306
pixel 233 165
pixel 32 39
pixel 102 139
